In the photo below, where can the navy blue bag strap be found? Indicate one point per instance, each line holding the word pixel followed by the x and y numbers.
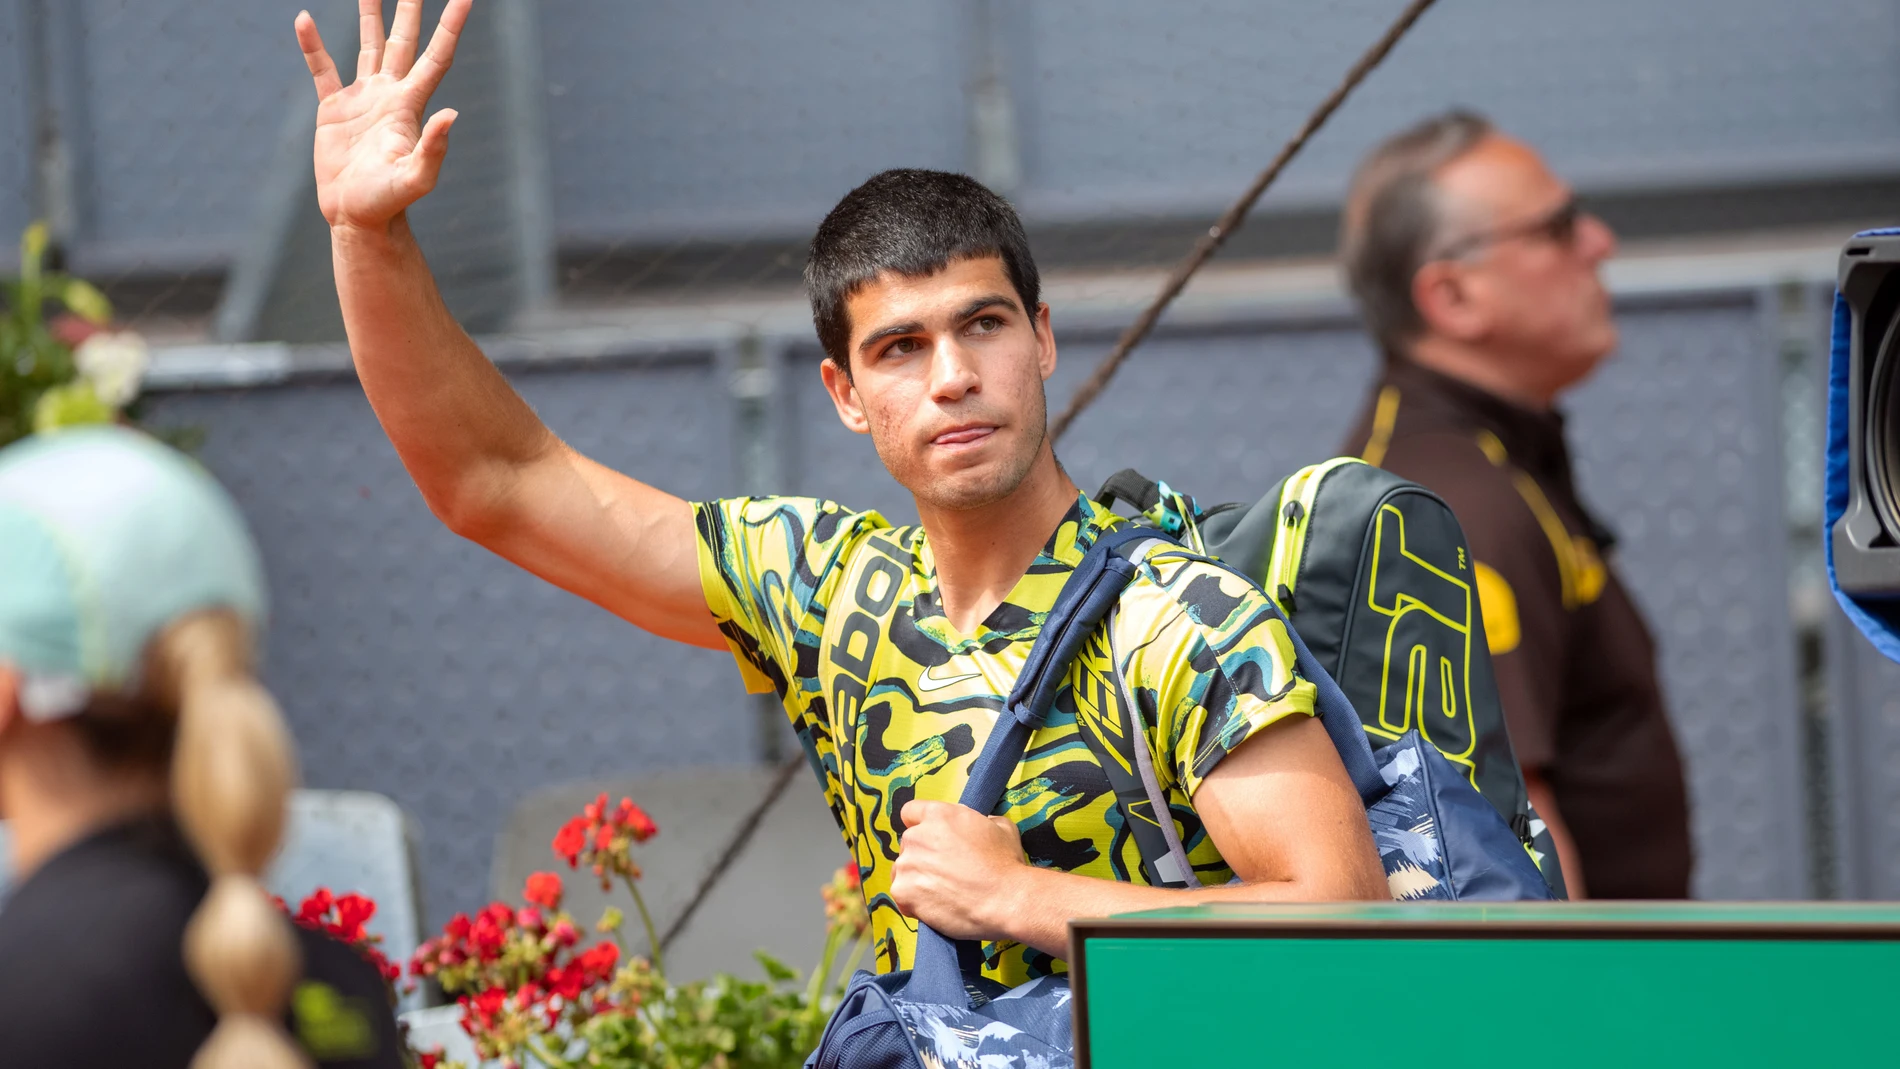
pixel 1091 590
pixel 940 967
pixel 1336 714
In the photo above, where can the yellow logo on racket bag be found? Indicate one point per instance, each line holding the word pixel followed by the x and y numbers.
pixel 1427 670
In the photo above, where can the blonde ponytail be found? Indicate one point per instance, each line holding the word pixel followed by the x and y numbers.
pixel 233 768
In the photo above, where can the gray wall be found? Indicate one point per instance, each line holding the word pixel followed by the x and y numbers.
pixel 16 131
pixel 673 120
pixel 1175 106
pixel 417 665
pixel 693 120
pixel 181 108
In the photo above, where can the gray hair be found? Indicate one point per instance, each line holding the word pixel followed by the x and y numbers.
pixel 1394 216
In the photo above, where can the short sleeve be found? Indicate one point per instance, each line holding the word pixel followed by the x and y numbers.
pixel 1208 662
pixel 767 566
pixel 1520 589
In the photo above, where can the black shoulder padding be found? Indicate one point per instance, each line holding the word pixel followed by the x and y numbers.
pixel 1131 486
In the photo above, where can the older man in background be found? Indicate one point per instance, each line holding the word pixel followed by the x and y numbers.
pixel 1478 276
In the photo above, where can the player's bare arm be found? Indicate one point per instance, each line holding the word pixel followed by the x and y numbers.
pixel 486 464
pixel 1280 809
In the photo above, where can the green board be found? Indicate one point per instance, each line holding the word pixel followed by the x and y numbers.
pixel 1544 985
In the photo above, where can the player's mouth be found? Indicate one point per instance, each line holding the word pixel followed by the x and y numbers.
pixel 964 435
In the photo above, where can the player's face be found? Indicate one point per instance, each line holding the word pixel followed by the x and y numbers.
pixel 947 376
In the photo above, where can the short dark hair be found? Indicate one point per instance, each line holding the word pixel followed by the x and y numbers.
pixel 1394 216
pixel 915 223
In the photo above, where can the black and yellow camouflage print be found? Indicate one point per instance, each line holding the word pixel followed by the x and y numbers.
pixel 838 612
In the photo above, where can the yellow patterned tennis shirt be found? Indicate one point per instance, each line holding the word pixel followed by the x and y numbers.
pixel 839 613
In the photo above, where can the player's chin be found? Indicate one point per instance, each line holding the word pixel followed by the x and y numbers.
pixel 964 486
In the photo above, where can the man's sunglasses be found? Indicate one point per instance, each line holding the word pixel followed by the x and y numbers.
pixel 1558 226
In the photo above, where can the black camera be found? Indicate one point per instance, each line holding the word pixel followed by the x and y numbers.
pixel 1867 536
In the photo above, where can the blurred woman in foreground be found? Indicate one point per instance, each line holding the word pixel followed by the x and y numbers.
pixel 143 776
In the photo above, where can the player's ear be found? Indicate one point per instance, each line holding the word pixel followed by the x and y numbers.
pixel 844 396
pixel 1045 341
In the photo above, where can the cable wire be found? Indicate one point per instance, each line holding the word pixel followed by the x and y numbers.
pixel 741 835
pixel 1231 220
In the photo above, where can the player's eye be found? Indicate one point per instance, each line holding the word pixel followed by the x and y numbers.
pixel 986 325
pixel 905 346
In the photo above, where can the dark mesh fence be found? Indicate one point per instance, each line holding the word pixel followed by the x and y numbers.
pixel 624 215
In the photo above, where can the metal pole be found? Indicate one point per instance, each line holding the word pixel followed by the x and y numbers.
pixel 754 382
pixel 52 159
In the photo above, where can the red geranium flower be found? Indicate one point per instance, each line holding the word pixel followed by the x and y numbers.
pixel 479 1012
pixel 602 837
pixel 563 982
pixel 571 840
pixel 310 913
pixel 353 912
pixel 544 889
pixel 636 821
pixel 71 330
pixel 597 962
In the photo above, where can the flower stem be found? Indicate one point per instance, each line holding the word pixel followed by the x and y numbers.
pixel 819 975
pixel 857 955
pixel 653 940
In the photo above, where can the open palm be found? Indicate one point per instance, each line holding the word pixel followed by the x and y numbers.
pixel 374 154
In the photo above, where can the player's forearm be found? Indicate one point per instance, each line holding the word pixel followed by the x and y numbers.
pixel 460 429
pixel 1037 910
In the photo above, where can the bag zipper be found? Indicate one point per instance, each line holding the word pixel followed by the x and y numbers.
pixel 1296 517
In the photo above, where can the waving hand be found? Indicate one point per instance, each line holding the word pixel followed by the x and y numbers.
pixel 483 460
pixel 374 154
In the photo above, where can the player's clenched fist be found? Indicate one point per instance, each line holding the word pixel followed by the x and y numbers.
pixel 957 870
pixel 374 154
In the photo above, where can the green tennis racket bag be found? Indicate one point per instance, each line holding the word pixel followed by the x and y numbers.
pixel 1375 574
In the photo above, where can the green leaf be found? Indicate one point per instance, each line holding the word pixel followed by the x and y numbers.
pixel 775 970
pixel 71 405
pixel 81 298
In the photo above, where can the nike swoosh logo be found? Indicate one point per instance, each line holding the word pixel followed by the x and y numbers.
pixel 928 682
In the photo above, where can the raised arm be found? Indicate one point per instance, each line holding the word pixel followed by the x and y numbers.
pixel 486 464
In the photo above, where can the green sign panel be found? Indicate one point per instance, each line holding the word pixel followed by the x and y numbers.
pixel 1545 986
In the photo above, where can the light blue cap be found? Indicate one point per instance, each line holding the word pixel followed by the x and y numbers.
pixel 106 537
